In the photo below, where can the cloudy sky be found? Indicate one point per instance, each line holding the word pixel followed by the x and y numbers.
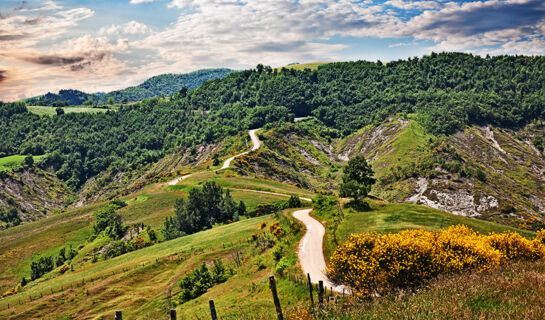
pixel 102 45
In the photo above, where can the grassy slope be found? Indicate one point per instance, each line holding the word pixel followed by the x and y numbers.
pixel 50 111
pixel 138 282
pixel 21 245
pixel 514 291
pixel 131 287
pixel 303 66
pixel 394 217
pixel 12 161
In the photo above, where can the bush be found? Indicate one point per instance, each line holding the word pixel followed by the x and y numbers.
pixel 200 280
pixel 281 266
pixel 371 262
pixel 108 222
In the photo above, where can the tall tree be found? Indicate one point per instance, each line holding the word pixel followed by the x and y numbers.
pixel 357 178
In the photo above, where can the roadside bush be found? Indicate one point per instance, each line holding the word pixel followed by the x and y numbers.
pixel 371 262
pixel 281 266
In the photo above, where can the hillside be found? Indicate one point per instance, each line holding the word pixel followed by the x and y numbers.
pixel 164 85
pixel 139 205
pixel 424 144
pixel 161 85
pixel 141 282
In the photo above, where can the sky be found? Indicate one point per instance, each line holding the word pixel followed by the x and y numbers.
pixel 99 45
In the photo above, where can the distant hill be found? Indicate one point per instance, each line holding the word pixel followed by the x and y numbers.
pixel 63 98
pixel 165 84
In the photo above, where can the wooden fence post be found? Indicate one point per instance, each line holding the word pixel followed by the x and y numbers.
pixel 172 314
pixel 321 293
pixel 118 315
pixel 212 310
pixel 272 285
pixel 310 291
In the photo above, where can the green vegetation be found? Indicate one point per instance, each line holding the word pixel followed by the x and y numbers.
pixel 201 210
pixel 162 85
pixel 386 217
pixel 371 92
pixel 51 111
pixel 13 162
pixel 201 279
pixel 357 179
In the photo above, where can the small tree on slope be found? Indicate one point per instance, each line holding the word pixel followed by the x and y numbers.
pixel 357 179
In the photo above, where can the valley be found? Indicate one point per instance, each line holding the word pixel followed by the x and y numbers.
pixel 203 193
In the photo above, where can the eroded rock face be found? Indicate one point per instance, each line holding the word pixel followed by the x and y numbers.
pixel 34 193
pixel 460 200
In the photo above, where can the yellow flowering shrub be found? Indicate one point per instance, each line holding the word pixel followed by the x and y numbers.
pixel 513 246
pixel 371 262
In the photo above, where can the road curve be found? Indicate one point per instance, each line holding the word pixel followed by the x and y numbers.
pixel 177 180
pixel 311 253
pixel 256 144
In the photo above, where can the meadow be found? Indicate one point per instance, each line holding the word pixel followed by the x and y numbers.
pixel 12 162
pixel 51 111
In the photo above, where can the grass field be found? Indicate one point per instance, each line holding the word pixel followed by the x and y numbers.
pixel 303 66
pixel 138 282
pixel 50 111
pixel 11 162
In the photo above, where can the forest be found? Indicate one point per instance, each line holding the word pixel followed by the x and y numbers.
pixel 446 91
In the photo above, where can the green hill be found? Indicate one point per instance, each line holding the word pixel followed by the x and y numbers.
pixel 164 85
pixel 161 85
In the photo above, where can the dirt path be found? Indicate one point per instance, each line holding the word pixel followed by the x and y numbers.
pixel 256 144
pixel 272 193
pixel 311 252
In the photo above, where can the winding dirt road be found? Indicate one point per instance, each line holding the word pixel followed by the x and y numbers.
pixel 311 252
pixel 256 144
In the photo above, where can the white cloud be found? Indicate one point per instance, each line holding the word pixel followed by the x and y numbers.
pixel 131 27
pixel 409 5
pixel 140 1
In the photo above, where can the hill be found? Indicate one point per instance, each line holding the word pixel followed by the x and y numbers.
pixel 145 282
pixel 164 85
pixel 161 85
pixel 456 137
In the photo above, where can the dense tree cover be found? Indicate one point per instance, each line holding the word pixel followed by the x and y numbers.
pixel 161 85
pixel 108 222
pixel 203 208
pixel 63 98
pixel 164 85
pixel 10 216
pixel 45 264
pixel 447 91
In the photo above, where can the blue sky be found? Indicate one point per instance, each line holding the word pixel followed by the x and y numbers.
pixel 47 45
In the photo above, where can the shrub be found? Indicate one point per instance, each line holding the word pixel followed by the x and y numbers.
pixel 277 253
pixel 514 247
pixel 201 279
pixel 371 262
pixel 281 266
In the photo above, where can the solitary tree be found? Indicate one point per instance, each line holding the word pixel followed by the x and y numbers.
pixel 357 178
